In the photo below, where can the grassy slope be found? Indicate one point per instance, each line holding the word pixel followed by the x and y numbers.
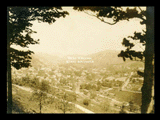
pixel 125 96
pixel 23 104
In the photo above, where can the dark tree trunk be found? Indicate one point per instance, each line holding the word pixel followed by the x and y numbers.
pixel 40 104
pixel 9 80
pixel 149 52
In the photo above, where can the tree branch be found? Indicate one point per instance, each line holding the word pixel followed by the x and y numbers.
pixel 106 22
pixel 102 20
pixel 142 14
pixel 140 9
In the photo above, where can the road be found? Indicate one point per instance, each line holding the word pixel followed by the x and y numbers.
pixel 115 101
pixel 127 81
pixel 83 109
pixel 50 95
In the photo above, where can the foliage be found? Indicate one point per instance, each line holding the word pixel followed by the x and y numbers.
pixel 19 31
pixel 72 96
pixel 106 84
pixel 40 94
pixel 27 81
pixel 63 81
pixel 85 92
pixel 89 86
pixel 78 73
pixel 122 111
pixel 105 105
pixel 116 13
pixel 86 101
pixel 133 107
pixel 90 76
pixel 128 53
pixel 63 103
pixel 92 94
pixel 98 87
pixel 41 73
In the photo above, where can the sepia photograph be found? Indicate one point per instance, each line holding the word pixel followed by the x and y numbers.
pixel 80 59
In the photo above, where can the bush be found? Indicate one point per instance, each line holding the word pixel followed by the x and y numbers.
pixel 133 107
pixel 122 111
pixel 16 81
pixel 85 92
pixel 93 95
pixel 41 73
pixel 98 88
pixel 106 84
pixel 89 77
pixel 94 87
pixel 34 82
pixel 40 94
pixel 63 81
pixel 98 83
pixel 63 104
pixel 72 96
pixel 78 73
pixel 86 102
pixel 82 86
pixel 44 86
pixel 105 105
pixel 85 86
pixel 88 86
pixel 25 81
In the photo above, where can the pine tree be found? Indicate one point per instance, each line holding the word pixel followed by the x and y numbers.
pixel 116 13
pixel 19 33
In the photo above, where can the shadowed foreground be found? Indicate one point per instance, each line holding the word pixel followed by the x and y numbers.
pixel 17 107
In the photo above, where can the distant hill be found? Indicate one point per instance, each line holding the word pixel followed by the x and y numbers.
pixel 103 58
pixel 106 57
pixel 43 59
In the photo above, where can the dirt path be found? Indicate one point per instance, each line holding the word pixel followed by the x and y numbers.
pixel 115 101
pixel 127 81
pixel 83 109
pixel 76 105
pixel 24 88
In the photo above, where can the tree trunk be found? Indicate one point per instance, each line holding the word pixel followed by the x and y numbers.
pixel 9 80
pixel 64 110
pixel 149 52
pixel 40 100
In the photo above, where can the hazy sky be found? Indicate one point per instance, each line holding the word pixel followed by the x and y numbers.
pixel 79 33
